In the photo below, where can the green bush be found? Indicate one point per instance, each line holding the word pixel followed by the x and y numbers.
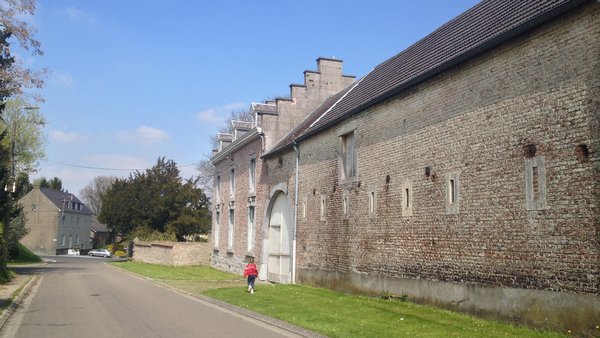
pixel 114 247
pixel 120 253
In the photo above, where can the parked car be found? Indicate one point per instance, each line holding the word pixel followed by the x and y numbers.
pixel 100 252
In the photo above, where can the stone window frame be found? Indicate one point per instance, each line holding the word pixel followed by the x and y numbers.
pixel 217 225
pixel 323 207
pixel 407 198
pixel 372 203
pixel 218 188
pixel 535 183
pixel 343 134
pixel 232 183
pixel 230 228
pixel 252 175
pixel 345 204
pixel 251 228
pixel 304 206
pixel 452 189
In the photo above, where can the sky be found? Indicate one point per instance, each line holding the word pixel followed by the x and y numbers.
pixel 135 80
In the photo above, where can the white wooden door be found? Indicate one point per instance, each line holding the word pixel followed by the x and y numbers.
pixel 280 241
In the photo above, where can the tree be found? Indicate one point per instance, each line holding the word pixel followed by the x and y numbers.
pixel 235 115
pixel 157 199
pixel 13 78
pixel 24 130
pixel 206 176
pixel 54 183
pixel 92 193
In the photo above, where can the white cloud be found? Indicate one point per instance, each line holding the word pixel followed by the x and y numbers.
pixel 143 135
pixel 216 115
pixel 63 79
pixel 76 14
pixel 66 137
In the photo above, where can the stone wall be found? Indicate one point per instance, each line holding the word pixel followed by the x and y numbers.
pixel 172 253
pixel 516 131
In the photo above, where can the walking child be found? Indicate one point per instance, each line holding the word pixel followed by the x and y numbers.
pixel 250 272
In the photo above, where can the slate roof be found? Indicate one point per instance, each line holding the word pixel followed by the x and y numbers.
pixel 481 28
pixel 58 198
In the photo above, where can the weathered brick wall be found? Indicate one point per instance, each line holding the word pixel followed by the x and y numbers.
pixel 233 259
pixel 173 253
pixel 475 122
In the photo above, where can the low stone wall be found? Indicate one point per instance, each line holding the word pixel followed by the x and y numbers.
pixel 172 253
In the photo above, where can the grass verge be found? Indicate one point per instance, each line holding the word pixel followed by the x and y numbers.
pixel 328 312
pixel 191 279
pixel 24 256
pixel 340 315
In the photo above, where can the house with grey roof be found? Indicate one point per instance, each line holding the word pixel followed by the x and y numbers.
pixel 462 172
pixel 57 221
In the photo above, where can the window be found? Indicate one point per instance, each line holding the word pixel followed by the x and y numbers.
pixel 322 208
pixel 252 175
pixel 62 242
pixel 372 203
pixel 230 230
pixel 77 240
pixel 407 199
pixel 251 210
pixel 452 193
pixel 348 156
pixel 218 188
pixel 535 183
pixel 345 206
pixel 217 227
pixel 304 208
pixel 232 182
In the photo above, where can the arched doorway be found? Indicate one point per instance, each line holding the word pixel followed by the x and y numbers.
pixel 279 247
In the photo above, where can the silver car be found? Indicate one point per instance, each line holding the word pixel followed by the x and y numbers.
pixel 100 252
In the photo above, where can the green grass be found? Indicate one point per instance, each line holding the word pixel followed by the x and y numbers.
pixel 340 315
pixel 328 312
pixel 25 256
pixel 183 273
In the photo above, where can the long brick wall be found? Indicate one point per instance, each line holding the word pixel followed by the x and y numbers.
pixel 173 253
pixel 517 131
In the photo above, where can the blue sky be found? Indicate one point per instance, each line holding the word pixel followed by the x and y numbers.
pixel 134 80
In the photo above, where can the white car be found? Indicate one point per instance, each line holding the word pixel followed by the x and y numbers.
pixel 100 252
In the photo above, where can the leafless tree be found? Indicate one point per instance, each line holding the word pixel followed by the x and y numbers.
pixel 93 192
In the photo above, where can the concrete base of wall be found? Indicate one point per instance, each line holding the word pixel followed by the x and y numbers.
pixel 561 311
pixel 229 263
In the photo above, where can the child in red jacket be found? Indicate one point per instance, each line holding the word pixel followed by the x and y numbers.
pixel 250 272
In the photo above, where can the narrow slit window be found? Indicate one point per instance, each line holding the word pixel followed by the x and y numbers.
pixel 372 202
pixel 535 182
pixel 322 208
pixel 407 197
pixel 451 191
pixel 251 210
pixel 345 205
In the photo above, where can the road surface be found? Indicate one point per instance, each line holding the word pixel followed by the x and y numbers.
pixel 83 297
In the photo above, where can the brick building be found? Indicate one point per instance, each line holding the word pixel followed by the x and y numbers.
pixel 464 171
pixel 244 193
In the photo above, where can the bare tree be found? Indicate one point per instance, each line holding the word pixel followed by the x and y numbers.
pixel 205 177
pixel 15 76
pixel 93 192
pixel 236 115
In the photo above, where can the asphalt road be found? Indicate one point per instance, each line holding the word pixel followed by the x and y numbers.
pixel 83 297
